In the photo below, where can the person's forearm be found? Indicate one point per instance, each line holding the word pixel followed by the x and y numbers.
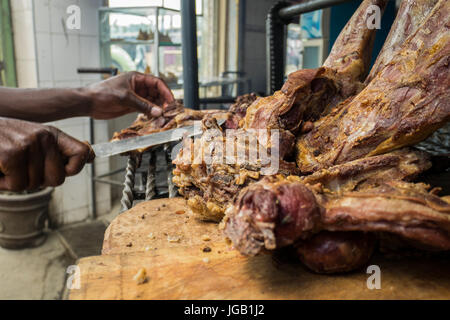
pixel 44 105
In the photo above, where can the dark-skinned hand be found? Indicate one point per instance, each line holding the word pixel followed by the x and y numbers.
pixel 129 92
pixel 34 155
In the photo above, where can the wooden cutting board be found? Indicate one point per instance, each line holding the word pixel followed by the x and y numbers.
pixel 163 238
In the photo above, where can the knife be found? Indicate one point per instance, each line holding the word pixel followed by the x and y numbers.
pixel 108 149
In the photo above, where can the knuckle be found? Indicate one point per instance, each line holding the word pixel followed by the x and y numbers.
pixel 47 138
pixel 55 181
pixel 83 149
pixel 13 152
pixel 123 95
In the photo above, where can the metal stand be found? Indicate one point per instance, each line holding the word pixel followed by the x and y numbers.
pixel 127 194
pixel 170 186
pixel 132 192
pixel 150 187
pixel 280 15
pixel 189 53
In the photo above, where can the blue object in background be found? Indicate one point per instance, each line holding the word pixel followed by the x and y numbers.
pixel 311 25
pixel 340 14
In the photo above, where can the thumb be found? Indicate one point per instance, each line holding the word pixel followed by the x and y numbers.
pixel 143 105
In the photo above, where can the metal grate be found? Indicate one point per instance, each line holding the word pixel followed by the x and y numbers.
pixel 146 178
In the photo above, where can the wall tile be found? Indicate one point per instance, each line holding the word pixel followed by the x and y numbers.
pixel 66 59
pixel 45 84
pixel 103 207
pixel 75 193
pixel 89 16
pixel 90 52
pixel 56 207
pixel 59 52
pixel 101 131
pixel 75 215
pixel 44 56
pixel 75 129
pixel 41 10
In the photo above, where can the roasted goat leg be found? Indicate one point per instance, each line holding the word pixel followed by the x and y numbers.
pixel 411 14
pixel 275 212
pixel 406 102
pixel 308 93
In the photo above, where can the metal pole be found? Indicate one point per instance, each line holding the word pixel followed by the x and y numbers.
pixel 241 41
pixel 155 70
pixel 189 51
pixel 93 173
pixel 308 6
pixel 275 48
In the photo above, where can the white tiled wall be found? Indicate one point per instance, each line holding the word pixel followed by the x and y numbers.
pixel 22 20
pixel 48 55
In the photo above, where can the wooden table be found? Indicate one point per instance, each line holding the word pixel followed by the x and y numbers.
pixel 181 263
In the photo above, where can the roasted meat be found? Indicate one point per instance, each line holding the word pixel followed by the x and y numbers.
pixel 310 93
pixel 306 95
pixel 346 174
pixel 175 115
pixel 210 171
pixel 277 212
pixel 405 102
pixel 411 14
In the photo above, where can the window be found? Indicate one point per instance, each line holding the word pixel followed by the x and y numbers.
pixel 171 4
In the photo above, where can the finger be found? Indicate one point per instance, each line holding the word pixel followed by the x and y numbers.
pixel 35 166
pixel 76 152
pixel 156 88
pixel 91 156
pixel 144 105
pixel 54 171
pixel 3 182
pixel 15 176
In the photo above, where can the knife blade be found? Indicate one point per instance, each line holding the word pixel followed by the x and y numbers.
pixel 112 148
